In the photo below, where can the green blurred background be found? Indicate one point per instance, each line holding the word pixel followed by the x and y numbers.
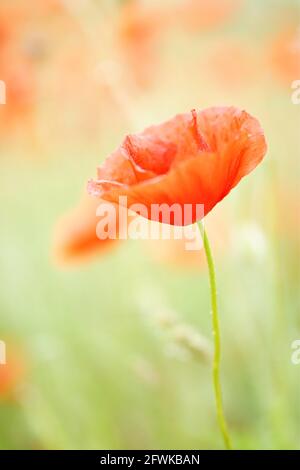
pixel 114 352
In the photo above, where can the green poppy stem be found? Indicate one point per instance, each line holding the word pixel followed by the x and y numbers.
pixel 217 339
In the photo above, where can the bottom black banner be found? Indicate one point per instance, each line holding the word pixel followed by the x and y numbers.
pixel 134 459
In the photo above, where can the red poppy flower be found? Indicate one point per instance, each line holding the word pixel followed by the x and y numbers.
pixel 75 235
pixel 80 235
pixel 194 158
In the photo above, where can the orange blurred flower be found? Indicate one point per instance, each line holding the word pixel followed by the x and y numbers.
pixel 200 14
pixel 79 235
pixel 15 69
pixel 174 253
pixel 288 214
pixel 285 54
pixel 138 30
pixel 12 373
pixel 194 158
pixel 233 64
pixel 24 38
pixel 75 237
pixel 20 91
pixel 47 6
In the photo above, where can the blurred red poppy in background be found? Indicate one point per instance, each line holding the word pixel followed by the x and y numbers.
pixel 79 237
pixel 238 62
pixel 12 372
pixel 15 69
pixel 28 33
pixel 285 54
pixel 75 237
pixel 174 252
pixel 199 14
pixel 138 32
pixel 194 158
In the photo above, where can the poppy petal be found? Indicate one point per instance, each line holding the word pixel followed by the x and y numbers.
pixel 194 158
